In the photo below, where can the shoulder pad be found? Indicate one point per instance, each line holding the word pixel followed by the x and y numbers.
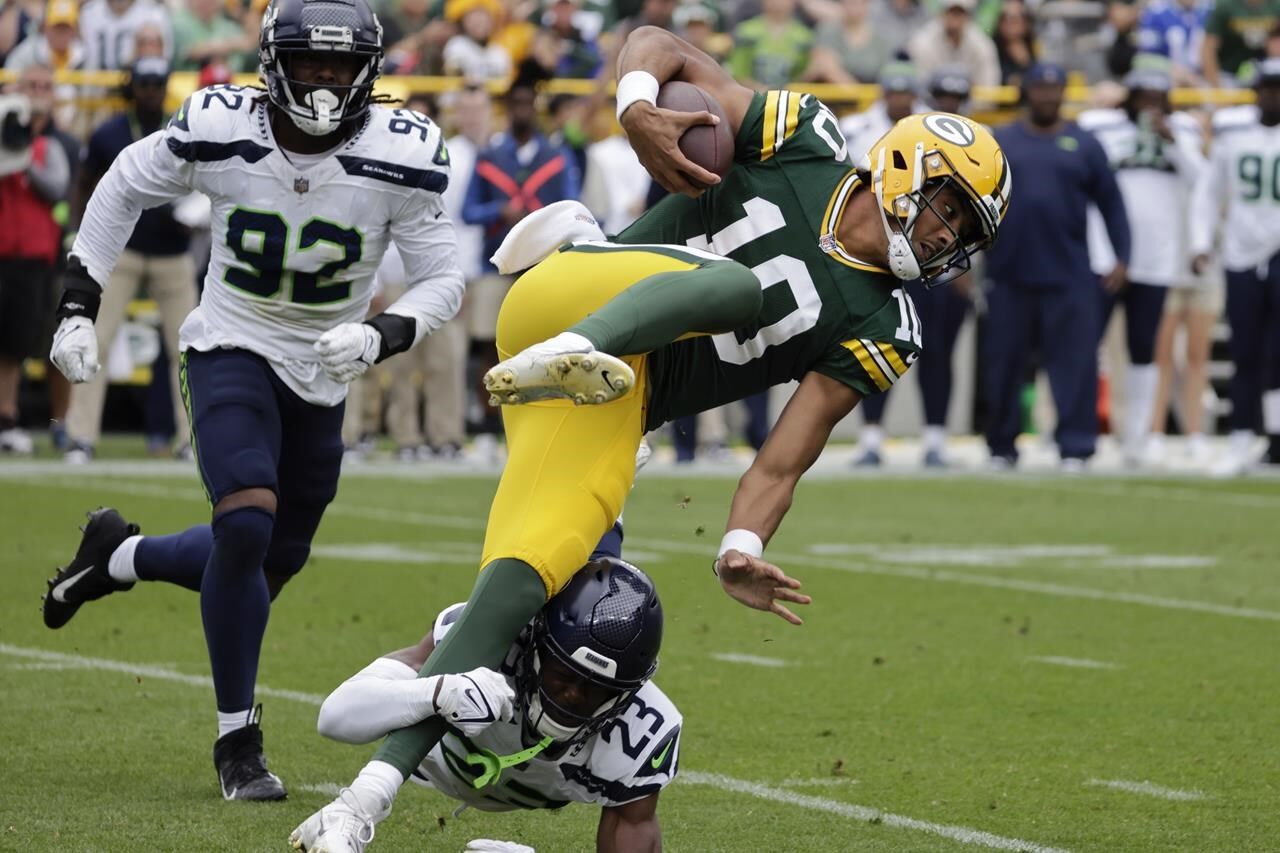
pixel 401 147
pixel 216 124
pixel 1099 118
pixel 1235 118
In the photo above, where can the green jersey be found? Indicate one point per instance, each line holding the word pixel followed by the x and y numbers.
pixel 777 212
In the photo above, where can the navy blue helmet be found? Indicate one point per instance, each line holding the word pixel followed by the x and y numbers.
pixel 592 647
pixel 293 27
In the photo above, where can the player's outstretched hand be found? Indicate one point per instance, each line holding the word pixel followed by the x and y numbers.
pixel 489 845
pixel 473 701
pixel 654 134
pixel 75 349
pixel 348 350
pixel 759 584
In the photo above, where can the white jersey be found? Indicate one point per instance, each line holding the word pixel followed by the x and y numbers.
pixel 864 129
pixel 1156 179
pixel 109 37
pixel 632 757
pixel 1240 190
pixel 296 241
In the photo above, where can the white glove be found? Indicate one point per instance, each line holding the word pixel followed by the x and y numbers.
pixel 488 845
pixel 348 350
pixel 75 349
pixel 475 700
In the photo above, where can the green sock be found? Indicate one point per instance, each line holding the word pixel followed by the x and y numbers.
pixel 655 311
pixel 508 594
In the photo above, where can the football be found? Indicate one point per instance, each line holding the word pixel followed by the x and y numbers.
pixel 711 147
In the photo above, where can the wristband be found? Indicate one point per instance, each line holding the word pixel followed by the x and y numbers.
pixel 81 295
pixel 397 333
pixel 636 86
pixel 741 540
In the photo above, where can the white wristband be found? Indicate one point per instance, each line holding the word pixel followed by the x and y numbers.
pixel 741 540
pixel 636 86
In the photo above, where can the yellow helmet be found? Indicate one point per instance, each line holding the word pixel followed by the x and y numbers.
pixel 913 162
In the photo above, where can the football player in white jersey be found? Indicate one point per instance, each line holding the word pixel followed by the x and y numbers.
pixel 308 182
pixel 1156 155
pixel 573 716
pixel 1241 192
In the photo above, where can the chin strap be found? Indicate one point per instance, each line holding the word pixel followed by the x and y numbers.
pixel 902 259
pixel 493 764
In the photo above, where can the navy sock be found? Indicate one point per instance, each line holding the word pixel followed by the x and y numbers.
pixel 177 558
pixel 610 544
pixel 235 604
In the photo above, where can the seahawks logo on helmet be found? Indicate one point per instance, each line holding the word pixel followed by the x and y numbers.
pixel 951 129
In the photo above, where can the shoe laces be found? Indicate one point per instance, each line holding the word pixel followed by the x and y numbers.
pixel 365 828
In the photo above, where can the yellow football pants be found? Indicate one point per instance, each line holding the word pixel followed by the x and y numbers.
pixel 569 468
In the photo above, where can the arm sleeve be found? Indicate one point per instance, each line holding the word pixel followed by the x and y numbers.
pixel 428 246
pixel 1106 195
pixel 51 178
pixel 146 174
pixel 1186 155
pixel 384 696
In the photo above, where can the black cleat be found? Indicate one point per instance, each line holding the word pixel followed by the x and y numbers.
pixel 242 768
pixel 85 578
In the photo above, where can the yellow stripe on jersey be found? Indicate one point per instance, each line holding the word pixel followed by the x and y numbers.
pixel 793 115
pixel 891 355
pixel 781 118
pixel 770 139
pixel 869 365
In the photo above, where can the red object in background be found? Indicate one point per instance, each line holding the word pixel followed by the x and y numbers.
pixel 214 73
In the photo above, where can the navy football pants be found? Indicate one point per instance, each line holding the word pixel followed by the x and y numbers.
pixel 1143 309
pixel 1253 310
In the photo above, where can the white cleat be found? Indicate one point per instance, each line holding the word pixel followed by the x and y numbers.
pixel 343 826
pixel 546 371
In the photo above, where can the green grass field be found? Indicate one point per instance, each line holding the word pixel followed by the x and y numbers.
pixel 988 664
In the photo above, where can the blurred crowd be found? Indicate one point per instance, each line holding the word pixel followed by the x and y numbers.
pixel 1117 207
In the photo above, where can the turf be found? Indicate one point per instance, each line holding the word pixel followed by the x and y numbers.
pixel 912 691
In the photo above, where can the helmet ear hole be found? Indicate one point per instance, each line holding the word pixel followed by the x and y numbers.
pixel 899 161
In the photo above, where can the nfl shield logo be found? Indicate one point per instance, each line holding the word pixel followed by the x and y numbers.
pixel 301 185
pixel 827 242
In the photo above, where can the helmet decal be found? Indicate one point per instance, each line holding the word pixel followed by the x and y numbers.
pixel 951 129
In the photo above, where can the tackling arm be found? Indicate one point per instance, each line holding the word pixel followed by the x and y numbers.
pixel 630 828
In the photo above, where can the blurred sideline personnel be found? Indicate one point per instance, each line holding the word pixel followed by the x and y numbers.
pixel 1243 180
pixel 157 255
pixel 1156 154
pixel 942 311
pixel 34 175
pixel 573 716
pixel 808 291
pixel 308 183
pixel 1044 297
pixel 900 85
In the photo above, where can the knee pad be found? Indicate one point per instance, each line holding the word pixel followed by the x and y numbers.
pixel 243 535
pixel 284 560
pixel 250 468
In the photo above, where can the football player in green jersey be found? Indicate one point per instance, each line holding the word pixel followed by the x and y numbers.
pixel 789 268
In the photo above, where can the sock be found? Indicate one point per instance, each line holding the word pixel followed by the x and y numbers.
pixel 232 721
pixel 871 437
pixel 1241 442
pixel 1196 443
pixel 935 438
pixel 1271 412
pixel 1140 400
pixel 610 545
pixel 506 596
pixel 179 558
pixel 235 603
pixel 120 564
pixel 657 310
pixel 376 787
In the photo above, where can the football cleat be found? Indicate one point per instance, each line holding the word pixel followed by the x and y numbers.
pixel 343 826
pixel 541 373
pixel 933 458
pixel 85 578
pixel 869 458
pixel 242 768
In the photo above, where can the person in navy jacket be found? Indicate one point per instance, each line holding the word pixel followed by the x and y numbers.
pixel 1044 299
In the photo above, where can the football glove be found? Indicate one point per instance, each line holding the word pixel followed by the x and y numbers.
pixel 348 350
pixel 75 349
pixel 489 845
pixel 475 700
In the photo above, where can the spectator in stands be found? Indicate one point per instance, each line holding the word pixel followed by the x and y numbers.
pixel 18 20
pixel 1121 35
pixel 1156 154
pixel 1175 29
pixel 953 39
pixel 1236 34
pixel 1044 296
pixel 615 186
pixel 469 54
pixel 157 254
pixel 415 35
pixel 203 33
pixel 900 97
pixel 519 172
pixel 57 45
pixel 697 23
pixel 30 242
pixel 108 27
pixel 771 50
pixel 148 40
pixel 577 56
pixel 653 13
pixel 1240 193
pixel 1015 42
pixel 848 51
pixel 896 21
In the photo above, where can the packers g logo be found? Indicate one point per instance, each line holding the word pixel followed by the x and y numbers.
pixel 951 129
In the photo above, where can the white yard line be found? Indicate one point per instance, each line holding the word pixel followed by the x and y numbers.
pixel 863 814
pixel 819 782
pixel 902 571
pixel 1148 789
pixel 1078 663
pixel 754 660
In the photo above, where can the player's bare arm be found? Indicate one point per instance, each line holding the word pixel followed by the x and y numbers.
pixel 655 133
pixel 630 828
pixel 766 490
